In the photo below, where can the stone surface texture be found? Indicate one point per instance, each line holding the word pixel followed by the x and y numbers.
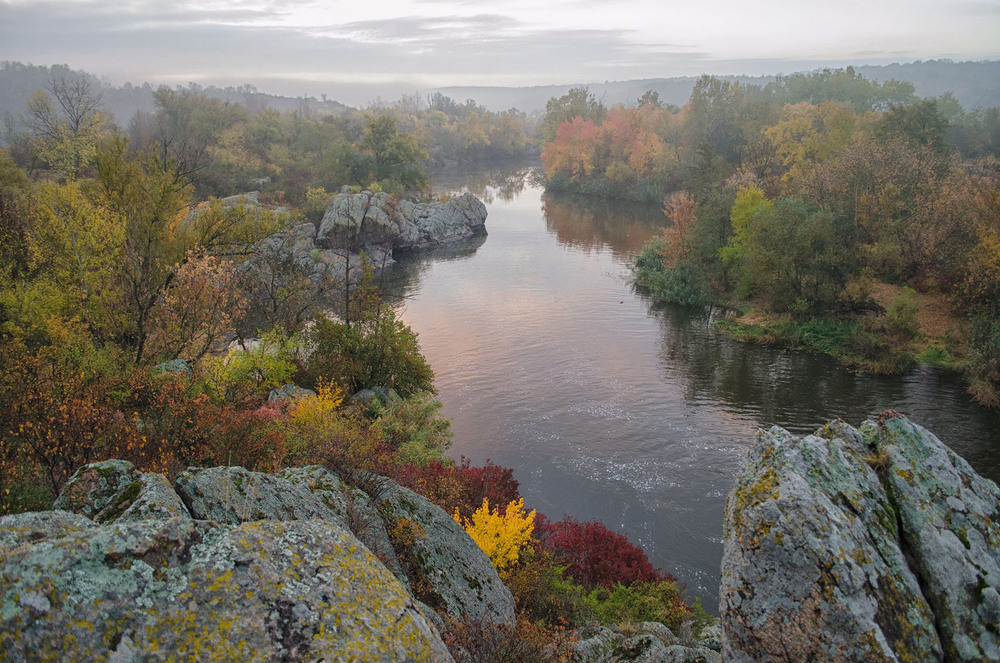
pixel 366 220
pixel 183 589
pixel 877 544
pixel 457 576
pixel 229 564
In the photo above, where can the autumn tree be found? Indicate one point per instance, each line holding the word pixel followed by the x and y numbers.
pixel 577 102
pixel 394 155
pixel 66 122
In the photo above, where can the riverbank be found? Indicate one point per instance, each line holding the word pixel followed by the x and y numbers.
pixel 903 329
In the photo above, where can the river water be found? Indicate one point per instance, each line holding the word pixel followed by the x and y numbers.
pixel 611 408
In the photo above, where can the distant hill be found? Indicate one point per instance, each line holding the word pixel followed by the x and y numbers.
pixel 19 81
pixel 974 84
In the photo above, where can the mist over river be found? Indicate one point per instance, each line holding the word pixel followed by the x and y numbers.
pixel 611 408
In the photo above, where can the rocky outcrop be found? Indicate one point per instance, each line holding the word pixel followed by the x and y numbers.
pixel 647 642
pixel 113 490
pixel 878 544
pixel 375 224
pixel 160 590
pixel 441 558
pixel 229 564
pixel 377 220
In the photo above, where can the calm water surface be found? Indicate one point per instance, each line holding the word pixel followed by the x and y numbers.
pixel 610 408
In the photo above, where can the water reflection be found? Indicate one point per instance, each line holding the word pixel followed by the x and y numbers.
pixel 592 223
pixel 488 182
pixel 802 391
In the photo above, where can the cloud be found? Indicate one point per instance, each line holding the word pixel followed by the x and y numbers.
pixel 421 43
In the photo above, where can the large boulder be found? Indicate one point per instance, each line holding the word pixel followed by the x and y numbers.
pixel 113 490
pixel 428 224
pixel 355 508
pixel 162 589
pixel 376 221
pixel 236 495
pixel 837 547
pixel 450 570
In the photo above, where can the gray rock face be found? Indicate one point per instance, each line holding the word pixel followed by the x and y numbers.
pixel 457 575
pixel 654 643
pixel 949 519
pixel 837 548
pixel 355 508
pixel 162 589
pixel 366 220
pixel 235 495
pixel 289 392
pixel 114 490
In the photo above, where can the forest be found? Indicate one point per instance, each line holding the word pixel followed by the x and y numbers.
pixel 834 213
pixel 144 318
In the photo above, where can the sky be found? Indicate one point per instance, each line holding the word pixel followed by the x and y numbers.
pixel 314 47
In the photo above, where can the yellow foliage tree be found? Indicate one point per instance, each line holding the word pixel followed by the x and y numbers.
pixel 500 536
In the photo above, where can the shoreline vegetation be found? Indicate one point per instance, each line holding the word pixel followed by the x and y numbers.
pixel 836 214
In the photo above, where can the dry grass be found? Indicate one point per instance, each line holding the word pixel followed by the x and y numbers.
pixel 935 317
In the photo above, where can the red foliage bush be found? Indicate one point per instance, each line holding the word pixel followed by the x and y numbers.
pixel 596 556
pixel 462 486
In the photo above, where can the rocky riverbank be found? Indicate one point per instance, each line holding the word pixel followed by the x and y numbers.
pixel 868 544
pixel 377 225
pixel 874 543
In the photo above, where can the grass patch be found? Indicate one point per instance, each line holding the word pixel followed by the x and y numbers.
pixel 849 342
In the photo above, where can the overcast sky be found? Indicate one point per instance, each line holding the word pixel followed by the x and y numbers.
pixel 305 46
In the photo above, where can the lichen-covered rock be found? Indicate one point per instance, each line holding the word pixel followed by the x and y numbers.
pixel 949 521
pixel 710 637
pixel 95 488
pixel 602 644
pixel 28 528
pixel 440 557
pixel 850 547
pixel 196 590
pixel 236 495
pixel 356 510
pixel 810 567
pixel 114 490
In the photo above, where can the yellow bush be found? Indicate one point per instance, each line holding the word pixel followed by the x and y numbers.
pixel 501 537
pixel 318 411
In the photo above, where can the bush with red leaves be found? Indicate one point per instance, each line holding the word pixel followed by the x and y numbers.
pixel 596 556
pixel 462 486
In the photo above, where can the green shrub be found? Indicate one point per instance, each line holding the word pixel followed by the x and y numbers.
pixel 241 373
pixel 902 315
pixel 371 347
pixel 641 602
pixel 983 368
pixel 680 285
pixel 414 428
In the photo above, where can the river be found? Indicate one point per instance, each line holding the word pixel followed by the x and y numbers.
pixel 609 407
